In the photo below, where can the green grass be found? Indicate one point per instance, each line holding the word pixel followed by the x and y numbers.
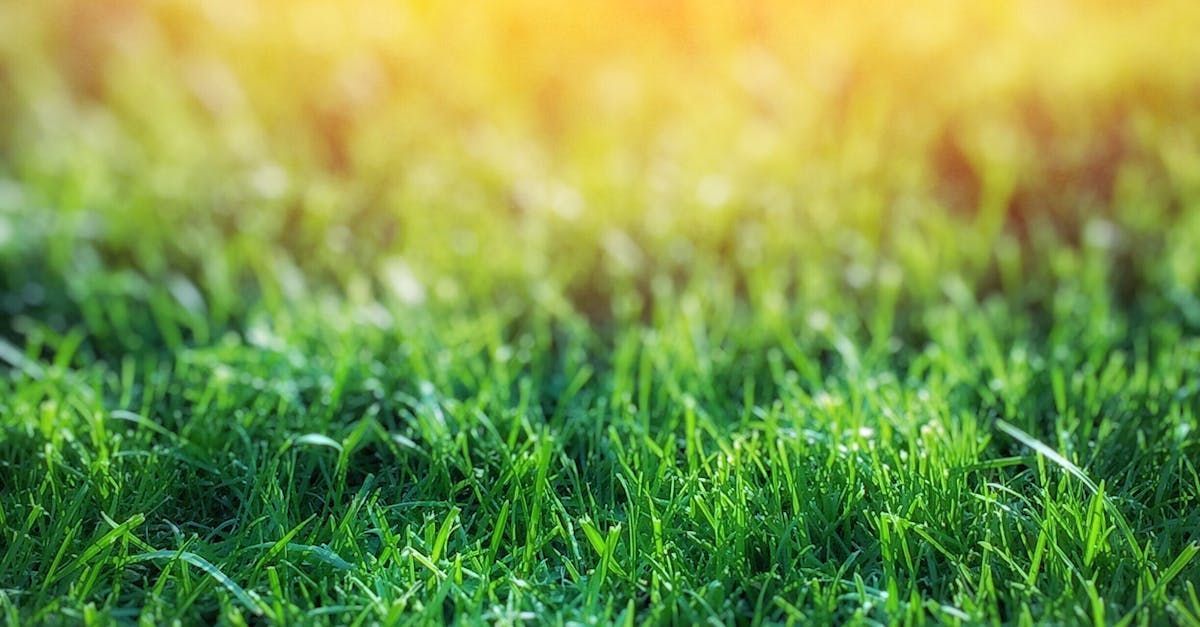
pixel 501 317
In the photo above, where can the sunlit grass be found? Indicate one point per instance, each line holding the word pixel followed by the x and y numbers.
pixel 671 312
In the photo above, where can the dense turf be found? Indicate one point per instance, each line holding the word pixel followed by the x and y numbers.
pixel 367 312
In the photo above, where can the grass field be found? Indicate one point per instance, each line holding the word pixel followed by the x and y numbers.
pixel 664 311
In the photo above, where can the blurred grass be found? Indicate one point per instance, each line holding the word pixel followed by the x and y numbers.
pixel 558 244
pixel 598 144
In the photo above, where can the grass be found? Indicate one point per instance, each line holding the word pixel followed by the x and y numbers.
pixel 700 316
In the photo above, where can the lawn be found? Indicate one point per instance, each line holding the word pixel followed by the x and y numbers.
pixel 640 311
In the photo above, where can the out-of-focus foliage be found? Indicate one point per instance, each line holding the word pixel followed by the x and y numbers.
pixel 587 144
